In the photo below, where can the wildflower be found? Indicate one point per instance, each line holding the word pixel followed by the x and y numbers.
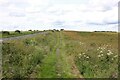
pixel 115 56
pixel 99 55
pixel 79 54
pixel 9 54
pixel 104 48
pixel 87 57
pixel 80 43
pixel 83 53
pixel 59 74
pixel 96 66
pixel 97 49
pixel 112 59
pixel 101 51
pixel 111 53
pixel 108 54
pixel 11 73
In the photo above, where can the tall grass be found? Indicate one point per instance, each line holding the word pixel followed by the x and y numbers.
pixel 95 54
pixel 21 57
pixel 63 54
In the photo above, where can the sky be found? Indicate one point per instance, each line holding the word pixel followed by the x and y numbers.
pixel 79 15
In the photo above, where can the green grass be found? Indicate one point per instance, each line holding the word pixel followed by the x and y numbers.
pixel 64 54
pixel 0 35
pixel 14 34
pixel 96 54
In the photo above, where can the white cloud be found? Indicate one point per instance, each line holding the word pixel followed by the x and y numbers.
pixel 76 15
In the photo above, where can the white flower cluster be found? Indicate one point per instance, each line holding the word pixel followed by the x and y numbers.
pixel 104 49
pixel 81 54
pixel 109 52
pixel 100 55
pixel 81 43
pixel 85 56
pixel 101 48
pixel 59 74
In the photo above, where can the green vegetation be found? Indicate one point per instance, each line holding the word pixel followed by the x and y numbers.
pixel 64 54
pixel 0 35
pixel 95 54
pixel 7 34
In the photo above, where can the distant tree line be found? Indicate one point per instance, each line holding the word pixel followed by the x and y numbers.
pixel 55 30
pixel 104 31
pixel 34 31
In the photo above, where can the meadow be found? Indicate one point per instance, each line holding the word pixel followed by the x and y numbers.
pixel 62 54
pixel 15 34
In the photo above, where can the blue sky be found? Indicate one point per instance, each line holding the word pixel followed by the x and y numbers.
pixel 80 15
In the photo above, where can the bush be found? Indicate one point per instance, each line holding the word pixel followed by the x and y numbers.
pixel 29 30
pixel 62 29
pixel 5 32
pixel 17 31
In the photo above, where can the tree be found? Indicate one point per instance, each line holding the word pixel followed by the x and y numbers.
pixel 6 32
pixel 62 29
pixel 17 31
pixel 29 30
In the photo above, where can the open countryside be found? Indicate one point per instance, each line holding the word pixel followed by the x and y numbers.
pixel 61 54
pixel 59 39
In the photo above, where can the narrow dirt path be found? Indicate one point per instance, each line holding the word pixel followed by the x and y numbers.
pixel 74 68
pixel 66 64
pixel 49 63
pixel 58 64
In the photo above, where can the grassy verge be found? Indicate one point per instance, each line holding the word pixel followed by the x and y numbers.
pixel 15 34
pixel 22 58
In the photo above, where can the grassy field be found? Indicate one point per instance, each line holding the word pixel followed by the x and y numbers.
pixel 64 54
pixel 15 34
